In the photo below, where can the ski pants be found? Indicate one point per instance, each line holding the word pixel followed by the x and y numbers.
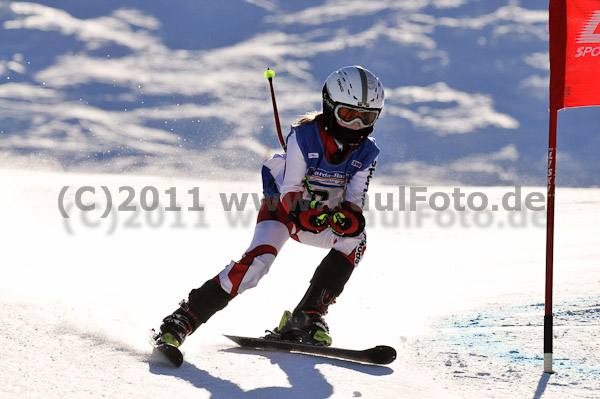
pixel 273 229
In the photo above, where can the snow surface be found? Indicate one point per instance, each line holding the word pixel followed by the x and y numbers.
pixel 462 305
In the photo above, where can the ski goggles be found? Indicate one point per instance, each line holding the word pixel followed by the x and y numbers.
pixel 350 115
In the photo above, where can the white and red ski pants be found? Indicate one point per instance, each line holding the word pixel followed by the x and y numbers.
pixel 273 229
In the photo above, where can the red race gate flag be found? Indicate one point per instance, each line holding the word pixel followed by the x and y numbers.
pixel 574 27
pixel 574 53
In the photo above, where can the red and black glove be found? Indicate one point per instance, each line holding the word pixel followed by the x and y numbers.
pixel 347 220
pixel 306 215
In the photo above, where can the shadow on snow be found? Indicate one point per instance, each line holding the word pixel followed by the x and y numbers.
pixel 301 371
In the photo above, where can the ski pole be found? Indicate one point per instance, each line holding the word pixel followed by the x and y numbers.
pixel 270 74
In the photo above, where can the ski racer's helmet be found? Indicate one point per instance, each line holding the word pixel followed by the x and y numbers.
pixel 352 101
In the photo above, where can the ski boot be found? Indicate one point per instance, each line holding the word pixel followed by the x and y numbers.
pixel 306 323
pixel 202 303
pixel 177 326
pixel 306 327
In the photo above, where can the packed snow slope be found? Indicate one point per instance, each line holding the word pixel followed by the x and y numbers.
pixel 146 85
pixel 459 294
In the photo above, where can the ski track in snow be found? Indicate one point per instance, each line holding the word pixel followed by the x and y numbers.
pixel 461 306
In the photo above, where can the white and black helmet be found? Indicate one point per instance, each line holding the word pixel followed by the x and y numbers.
pixel 353 98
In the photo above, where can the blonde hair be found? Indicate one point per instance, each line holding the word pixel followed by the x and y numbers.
pixel 309 117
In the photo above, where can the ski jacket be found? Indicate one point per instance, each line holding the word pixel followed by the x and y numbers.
pixel 304 168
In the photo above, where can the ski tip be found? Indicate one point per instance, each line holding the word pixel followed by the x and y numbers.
pixel 382 354
pixel 171 353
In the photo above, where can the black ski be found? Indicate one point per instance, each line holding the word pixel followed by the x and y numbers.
pixel 377 355
pixel 172 353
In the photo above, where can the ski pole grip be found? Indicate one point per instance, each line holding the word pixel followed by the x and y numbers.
pixel 269 73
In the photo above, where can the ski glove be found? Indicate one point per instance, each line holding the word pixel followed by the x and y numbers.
pixel 347 220
pixel 313 220
pixel 306 215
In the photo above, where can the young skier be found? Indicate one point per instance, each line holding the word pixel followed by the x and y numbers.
pixel 314 193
